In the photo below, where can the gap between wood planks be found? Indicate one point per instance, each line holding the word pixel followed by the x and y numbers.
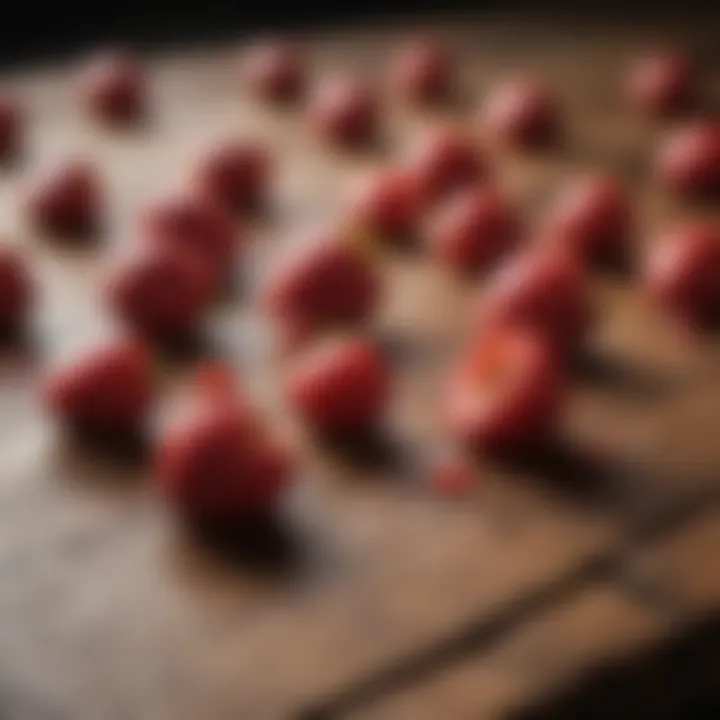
pixel 480 633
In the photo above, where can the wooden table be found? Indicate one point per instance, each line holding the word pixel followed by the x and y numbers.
pixel 382 601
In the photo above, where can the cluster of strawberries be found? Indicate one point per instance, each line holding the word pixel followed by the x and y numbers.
pixel 222 462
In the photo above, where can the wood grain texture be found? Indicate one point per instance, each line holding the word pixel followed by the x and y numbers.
pixel 595 626
pixel 108 611
pixel 681 571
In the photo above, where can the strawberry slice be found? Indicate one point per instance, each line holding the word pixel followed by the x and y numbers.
pixel 505 391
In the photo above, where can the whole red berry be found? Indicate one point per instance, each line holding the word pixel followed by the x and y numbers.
pixel 160 293
pixel 325 281
pixel 274 71
pixel 474 229
pixel 67 199
pixel 688 161
pixel 12 122
pixel 235 174
pixel 543 290
pixel 112 88
pixel 661 84
pixel 422 72
pixel 506 391
pixel 683 274
pixel 16 291
pixel 444 161
pixel 344 111
pixel 196 225
pixel 340 386
pixel 219 463
pixel 522 113
pixel 387 205
pixel 109 390
pixel 593 217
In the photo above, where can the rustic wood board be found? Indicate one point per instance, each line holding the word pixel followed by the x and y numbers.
pixel 681 570
pixel 554 648
pixel 660 590
pixel 107 611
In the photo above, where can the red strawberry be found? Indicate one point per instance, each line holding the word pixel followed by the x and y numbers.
pixel 683 274
pixel 340 385
pixel 16 291
pixel 111 86
pixel 160 294
pixel 474 230
pixel 275 72
pixel 387 205
pixel 522 113
pixel 545 291
pixel 235 174
pixel 108 391
pixel 423 72
pixel 344 111
pixel 67 199
pixel 443 162
pixel 219 463
pixel 661 84
pixel 592 216
pixel 327 282
pixel 688 161
pixel 195 225
pixel 505 391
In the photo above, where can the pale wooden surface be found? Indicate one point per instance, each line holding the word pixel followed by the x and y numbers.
pixel 106 611
pixel 659 589
pixel 554 648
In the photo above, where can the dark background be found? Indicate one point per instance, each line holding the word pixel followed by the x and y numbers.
pixel 34 29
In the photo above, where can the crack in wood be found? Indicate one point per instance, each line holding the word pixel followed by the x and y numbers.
pixel 481 633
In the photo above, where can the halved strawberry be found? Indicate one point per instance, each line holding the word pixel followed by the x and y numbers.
pixel 505 391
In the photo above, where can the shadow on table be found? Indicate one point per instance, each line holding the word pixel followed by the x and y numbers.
pixel 679 680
